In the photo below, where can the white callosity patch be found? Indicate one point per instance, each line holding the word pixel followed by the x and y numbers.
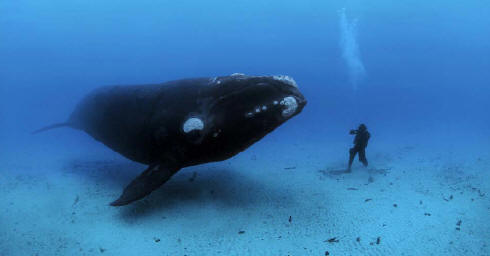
pixel 239 76
pixel 291 106
pixel 287 79
pixel 214 81
pixel 192 124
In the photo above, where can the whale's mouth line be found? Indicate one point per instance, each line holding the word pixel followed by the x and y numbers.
pixel 288 104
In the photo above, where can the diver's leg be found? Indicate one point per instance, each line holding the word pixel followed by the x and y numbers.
pixel 362 157
pixel 352 154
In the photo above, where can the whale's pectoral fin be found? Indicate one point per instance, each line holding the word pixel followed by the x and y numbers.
pixel 152 178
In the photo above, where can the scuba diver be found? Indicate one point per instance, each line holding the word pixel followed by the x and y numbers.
pixel 360 144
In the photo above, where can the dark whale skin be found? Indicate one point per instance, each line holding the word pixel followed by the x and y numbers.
pixel 186 122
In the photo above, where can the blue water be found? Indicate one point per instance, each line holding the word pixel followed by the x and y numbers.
pixel 415 72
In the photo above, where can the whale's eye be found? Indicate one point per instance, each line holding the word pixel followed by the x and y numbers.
pixel 192 124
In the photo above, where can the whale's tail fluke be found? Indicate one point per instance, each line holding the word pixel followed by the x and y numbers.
pixel 53 126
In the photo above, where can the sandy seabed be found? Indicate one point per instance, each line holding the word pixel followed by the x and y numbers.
pixel 273 199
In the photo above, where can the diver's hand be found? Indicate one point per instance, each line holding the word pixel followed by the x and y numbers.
pixel 353 132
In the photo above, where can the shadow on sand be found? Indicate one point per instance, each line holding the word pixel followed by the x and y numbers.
pixel 108 173
pixel 192 187
pixel 336 173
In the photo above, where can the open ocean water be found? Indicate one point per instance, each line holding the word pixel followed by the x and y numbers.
pixel 415 72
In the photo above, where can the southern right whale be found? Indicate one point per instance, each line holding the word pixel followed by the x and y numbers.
pixel 186 122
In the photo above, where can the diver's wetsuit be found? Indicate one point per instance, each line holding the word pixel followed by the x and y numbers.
pixel 360 144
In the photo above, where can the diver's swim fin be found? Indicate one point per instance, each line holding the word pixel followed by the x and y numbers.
pixel 58 125
pixel 152 178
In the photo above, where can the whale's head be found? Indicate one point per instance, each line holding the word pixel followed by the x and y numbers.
pixel 241 109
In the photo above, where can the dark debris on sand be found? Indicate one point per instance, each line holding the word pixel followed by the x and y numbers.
pixel 332 240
